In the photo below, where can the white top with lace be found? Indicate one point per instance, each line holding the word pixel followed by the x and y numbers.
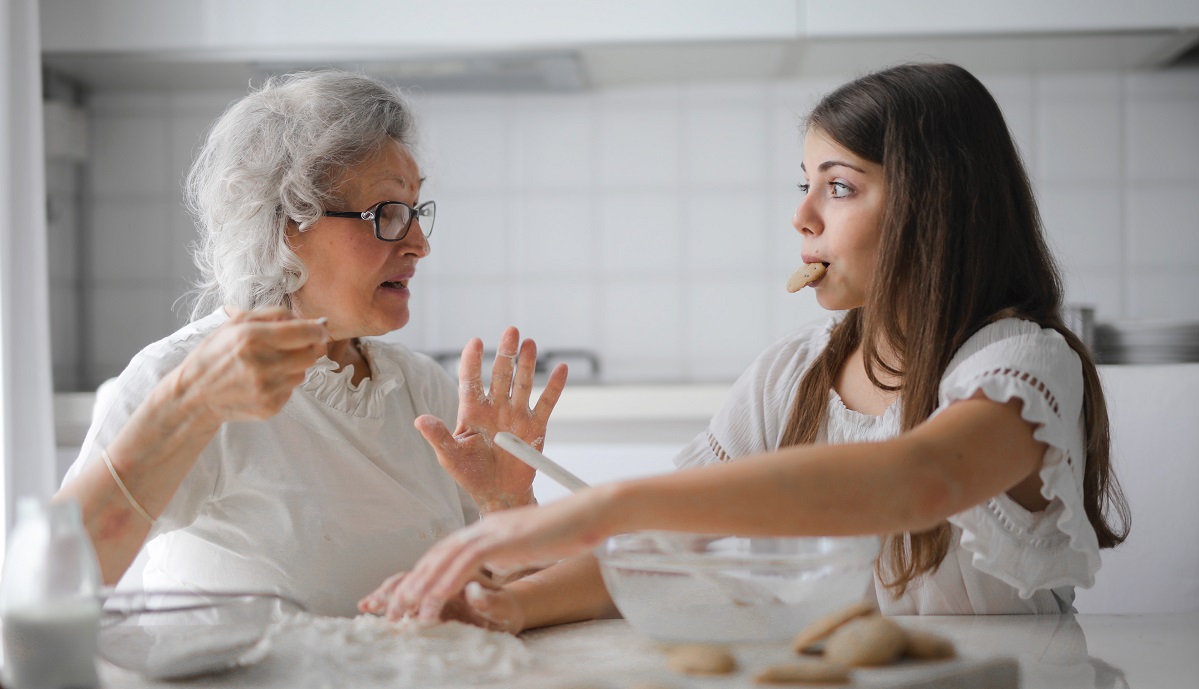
pixel 320 502
pixel 1003 559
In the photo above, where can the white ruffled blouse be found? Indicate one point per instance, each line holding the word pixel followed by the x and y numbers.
pixel 1003 558
pixel 320 502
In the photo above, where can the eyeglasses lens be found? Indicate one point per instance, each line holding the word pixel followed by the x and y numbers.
pixel 394 218
pixel 426 213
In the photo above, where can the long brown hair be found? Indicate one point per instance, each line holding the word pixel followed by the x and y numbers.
pixel 961 234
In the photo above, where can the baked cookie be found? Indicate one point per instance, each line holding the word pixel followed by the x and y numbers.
pixel 700 659
pixel 806 275
pixel 866 642
pixel 923 645
pixel 804 672
pixel 820 629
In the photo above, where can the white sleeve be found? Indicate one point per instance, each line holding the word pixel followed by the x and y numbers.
pixel 754 414
pixel 1014 359
pixel 115 404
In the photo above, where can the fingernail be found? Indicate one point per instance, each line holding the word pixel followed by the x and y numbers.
pixel 322 320
pixel 474 592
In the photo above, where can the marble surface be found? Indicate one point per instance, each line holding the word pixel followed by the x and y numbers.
pixel 1034 652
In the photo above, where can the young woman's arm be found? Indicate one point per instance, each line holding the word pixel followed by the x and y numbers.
pixel 973 450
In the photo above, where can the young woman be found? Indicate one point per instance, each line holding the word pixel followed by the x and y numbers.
pixel 947 408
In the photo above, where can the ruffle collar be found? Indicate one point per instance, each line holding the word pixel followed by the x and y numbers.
pixel 335 388
pixel 837 409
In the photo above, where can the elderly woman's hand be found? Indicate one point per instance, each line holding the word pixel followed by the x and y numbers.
pixel 247 368
pixel 495 479
pixel 482 602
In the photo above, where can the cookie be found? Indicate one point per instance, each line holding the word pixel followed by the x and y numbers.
pixel 866 642
pixel 698 659
pixel 821 628
pixel 806 275
pixel 804 672
pixel 923 645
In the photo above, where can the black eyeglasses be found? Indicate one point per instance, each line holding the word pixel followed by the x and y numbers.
pixel 393 218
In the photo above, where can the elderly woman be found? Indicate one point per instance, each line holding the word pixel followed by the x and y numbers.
pixel 268 445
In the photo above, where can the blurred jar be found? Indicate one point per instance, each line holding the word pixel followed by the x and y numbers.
pixel 49 600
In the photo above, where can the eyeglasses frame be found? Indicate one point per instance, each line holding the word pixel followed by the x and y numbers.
pixel 372 215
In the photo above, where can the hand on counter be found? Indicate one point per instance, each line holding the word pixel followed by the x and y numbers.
pixel 504 542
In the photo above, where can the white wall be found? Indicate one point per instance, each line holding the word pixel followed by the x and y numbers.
pixel 652 224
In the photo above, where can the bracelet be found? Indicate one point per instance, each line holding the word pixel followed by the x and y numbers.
pixel 121 484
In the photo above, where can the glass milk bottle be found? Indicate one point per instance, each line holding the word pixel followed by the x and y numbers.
pixel 49 600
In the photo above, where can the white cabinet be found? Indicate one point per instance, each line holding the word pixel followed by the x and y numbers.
pixel 883 18
pixel 362 28
pixel 368 29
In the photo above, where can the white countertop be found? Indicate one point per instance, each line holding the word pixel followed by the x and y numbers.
pixel 1051 652
pixel 664 412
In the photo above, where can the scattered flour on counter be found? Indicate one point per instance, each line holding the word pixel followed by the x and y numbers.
pixel 368 651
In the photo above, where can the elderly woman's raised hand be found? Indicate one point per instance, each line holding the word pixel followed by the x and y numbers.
pixel 495 479
pixel 247 368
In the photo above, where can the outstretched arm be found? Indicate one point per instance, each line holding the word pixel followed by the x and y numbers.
pixel 972 451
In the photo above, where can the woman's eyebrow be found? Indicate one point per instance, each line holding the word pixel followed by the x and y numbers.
pixel 833 163
pixel 402 181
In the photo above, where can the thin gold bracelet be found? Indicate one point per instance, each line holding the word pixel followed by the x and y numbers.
pixel 121 484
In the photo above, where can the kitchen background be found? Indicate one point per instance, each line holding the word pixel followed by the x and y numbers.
pixel 629 198
pixel 648 223
pixel 645 217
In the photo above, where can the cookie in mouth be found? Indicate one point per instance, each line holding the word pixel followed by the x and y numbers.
pixel 806 275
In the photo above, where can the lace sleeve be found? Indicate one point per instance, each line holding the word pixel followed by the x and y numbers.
pixel 1015 359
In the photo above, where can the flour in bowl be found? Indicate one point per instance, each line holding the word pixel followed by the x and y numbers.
pixel 368 651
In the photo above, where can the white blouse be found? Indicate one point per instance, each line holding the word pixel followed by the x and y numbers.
pixel 1003 558
pixel 320 502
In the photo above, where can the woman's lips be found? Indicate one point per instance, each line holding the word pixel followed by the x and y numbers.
pixel 395 287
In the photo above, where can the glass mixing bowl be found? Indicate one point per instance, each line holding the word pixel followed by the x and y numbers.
pixel 175 635
pixel 702 588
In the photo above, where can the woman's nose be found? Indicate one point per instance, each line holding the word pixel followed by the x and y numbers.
pixel 805 220
pixel 415 243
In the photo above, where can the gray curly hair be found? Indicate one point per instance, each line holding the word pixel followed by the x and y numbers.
pixel 274 157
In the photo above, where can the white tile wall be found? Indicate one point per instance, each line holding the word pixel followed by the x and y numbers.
pixel 552 142
pixel 123 319
pixel 642 329
pixel 653 223
pixel 639 146
pixel 1164 226
pixel 640 233
pixel 554 233
pixel 720 341
pixel 724 144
